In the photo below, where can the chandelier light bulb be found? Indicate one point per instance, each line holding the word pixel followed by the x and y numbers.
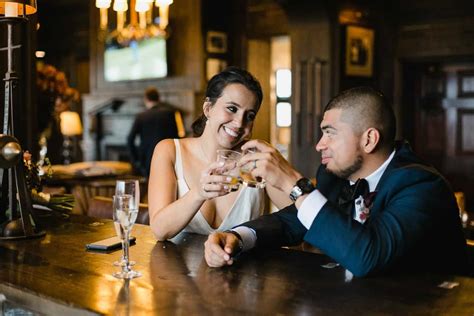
pixel 103 4
pixel 142 6
pixel 120 5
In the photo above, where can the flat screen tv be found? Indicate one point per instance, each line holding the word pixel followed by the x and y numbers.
pixel 145 59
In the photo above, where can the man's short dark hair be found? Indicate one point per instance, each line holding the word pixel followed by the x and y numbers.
pixel 152 94
pixel 365 107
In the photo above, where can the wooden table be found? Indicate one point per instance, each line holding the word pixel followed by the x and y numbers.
pixel 55 275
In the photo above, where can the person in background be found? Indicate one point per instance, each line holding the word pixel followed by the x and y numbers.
pixel 184 191
pixel 399 215
pixel 159 121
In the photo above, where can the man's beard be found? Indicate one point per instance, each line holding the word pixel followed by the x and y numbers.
pixel 347 172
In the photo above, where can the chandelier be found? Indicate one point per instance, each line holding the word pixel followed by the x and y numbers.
pixel 143 24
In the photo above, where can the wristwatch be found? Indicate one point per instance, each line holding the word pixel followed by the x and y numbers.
pixel 302 186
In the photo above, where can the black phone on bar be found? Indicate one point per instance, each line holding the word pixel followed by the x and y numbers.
pixel 108 244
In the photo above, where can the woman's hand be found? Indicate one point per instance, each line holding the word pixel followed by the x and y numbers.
pixel 214 182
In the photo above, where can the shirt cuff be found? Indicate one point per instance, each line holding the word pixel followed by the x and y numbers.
pixel 310 208
pixel 249 237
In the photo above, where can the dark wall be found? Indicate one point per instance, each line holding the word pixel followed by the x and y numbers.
pixel 64 36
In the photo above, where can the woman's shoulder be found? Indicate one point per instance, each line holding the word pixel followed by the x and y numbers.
pixel 165 145
pixel 168 146
pixel 165 149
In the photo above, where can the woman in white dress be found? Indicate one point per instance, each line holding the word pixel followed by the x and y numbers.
pixel 184 193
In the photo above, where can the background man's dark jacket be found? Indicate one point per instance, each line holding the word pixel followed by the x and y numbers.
pixel 152 125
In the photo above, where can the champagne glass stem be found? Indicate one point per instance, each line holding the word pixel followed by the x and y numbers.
pixel 125 246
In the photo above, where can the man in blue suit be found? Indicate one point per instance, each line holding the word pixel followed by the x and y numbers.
pixel 401 215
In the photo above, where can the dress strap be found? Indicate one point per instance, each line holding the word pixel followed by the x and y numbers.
pixel 178 165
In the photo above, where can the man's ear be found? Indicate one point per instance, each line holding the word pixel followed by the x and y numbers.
pixel 370 139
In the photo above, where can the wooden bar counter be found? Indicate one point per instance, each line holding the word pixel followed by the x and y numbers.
pixel 55 275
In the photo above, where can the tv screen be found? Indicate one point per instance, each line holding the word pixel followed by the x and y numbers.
pixel 145 59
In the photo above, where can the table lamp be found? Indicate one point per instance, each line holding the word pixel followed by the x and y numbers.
pixel 70 124
pixel 15 204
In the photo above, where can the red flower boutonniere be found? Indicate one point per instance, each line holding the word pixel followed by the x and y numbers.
pixel 368 202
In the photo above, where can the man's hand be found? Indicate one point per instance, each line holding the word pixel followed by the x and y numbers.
pixel 219 247
pixel 270 165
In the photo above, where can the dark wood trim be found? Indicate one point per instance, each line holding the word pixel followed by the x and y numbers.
pixel 461 76
pixel 459 133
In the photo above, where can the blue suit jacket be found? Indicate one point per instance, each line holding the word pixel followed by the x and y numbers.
pixel 413 225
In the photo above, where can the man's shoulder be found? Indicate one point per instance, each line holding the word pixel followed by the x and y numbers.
pixel 156 113
pixel 406 164
pixel 415 177
pixel 166 107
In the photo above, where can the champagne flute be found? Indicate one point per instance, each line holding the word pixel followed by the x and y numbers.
pixel 130 187
pixel 126 212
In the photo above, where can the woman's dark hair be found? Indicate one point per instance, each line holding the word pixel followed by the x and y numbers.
pixel 218 83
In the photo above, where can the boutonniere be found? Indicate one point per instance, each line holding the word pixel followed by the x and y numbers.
pixel 367 205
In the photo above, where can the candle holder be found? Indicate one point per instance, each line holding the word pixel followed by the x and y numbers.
pixel 15 204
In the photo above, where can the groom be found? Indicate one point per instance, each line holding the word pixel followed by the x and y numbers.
pixel 399 215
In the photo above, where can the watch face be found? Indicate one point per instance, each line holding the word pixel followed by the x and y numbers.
pixel 306 185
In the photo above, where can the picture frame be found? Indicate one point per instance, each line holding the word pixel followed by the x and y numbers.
pixel 216 42
pixel 359 54
pixel 214 66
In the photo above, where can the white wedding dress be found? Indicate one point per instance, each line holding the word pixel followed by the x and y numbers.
pixel 248 205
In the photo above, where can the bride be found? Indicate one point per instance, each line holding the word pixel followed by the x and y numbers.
pixel 184 192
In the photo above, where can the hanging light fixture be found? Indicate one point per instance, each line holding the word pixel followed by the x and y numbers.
pixel 142 24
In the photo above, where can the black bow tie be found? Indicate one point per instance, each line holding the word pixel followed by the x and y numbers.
pixel 349 193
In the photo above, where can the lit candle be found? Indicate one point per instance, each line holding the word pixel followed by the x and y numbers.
pixel 11 9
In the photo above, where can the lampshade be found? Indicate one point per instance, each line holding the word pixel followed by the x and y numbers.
pixel 14 8
pixel 70 123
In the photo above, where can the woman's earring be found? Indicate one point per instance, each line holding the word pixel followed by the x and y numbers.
pixel 207 120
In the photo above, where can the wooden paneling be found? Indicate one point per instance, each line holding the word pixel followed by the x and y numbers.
pixel 437 38
pixel 266 19
pixel 259 66
pixel 311 62
pixel 465 135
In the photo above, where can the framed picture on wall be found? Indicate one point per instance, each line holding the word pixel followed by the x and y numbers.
pixel 359 51
pixel 216 42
